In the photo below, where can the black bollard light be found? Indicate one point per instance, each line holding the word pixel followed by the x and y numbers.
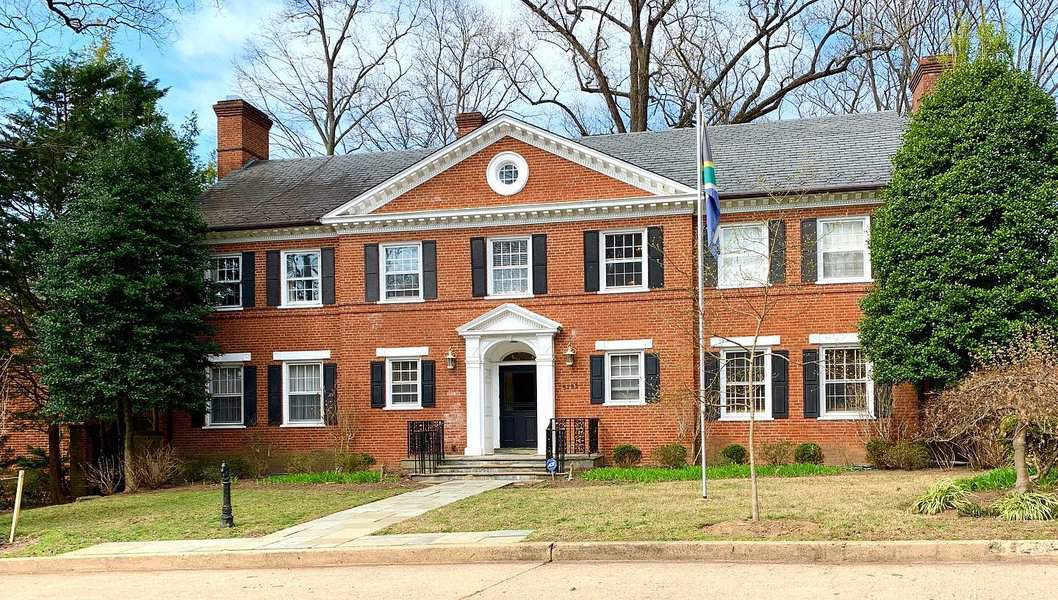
pixel 226 520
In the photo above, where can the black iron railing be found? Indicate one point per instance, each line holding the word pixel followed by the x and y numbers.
pixel 578 435
pixel 426 444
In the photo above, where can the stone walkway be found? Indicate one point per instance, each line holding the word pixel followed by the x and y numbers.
pixel 348 528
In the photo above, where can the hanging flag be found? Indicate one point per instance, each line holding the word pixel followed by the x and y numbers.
pixel 712 195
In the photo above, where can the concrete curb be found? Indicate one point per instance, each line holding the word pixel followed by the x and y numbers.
pixel 974 551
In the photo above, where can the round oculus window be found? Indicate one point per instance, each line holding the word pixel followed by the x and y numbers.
pixel 507 173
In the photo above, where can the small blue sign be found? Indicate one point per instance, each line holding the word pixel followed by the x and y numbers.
pixel 552 465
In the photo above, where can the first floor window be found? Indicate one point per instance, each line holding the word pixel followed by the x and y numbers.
pixel 402 272
pixel 225 391
pixel 744 383
pixel 624 260
pixel 302 276
pixel 404 388
pixel 743 256
pixel 624 374
pixel 847 388
pixel 226 275
pixel 509 266
pixel 843 253
pixel 305 393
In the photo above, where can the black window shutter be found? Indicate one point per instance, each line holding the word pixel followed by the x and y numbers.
pixel 810 359
pixel 808 251
pixel 598 380
pixel 655 257
pixel 429 270
pixel 249 395
pixel 249 281
pixel 780 384
pixel 477 268
pixel 371 272
pixel 712 387
pixel 429 383
pixel 330 393
pixel 653 377
pixel 327 272
pixel 539 264
pixel 591 261
pixel 883 400
pixel 275 395
pixel 272 277
pixel 378 384
pixel 777 250
pixel 709 269
pixel 198 418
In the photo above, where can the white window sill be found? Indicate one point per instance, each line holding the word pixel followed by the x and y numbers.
pixel 224 427
pixel 401 301
pixel 507 296
pixel 625 403
pixel 415 407
pixel 745 418
pixel 313 305
pixel 845 280
pixel 629 290
pixel 226 308
pixel 306 425
pixel 845 417
pixel 748 286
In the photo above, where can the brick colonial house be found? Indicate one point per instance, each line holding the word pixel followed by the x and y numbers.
pixel 515 276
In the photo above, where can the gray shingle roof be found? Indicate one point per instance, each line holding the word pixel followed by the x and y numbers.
pixel 825 153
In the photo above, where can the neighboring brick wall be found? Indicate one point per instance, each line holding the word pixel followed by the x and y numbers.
pixel 16 435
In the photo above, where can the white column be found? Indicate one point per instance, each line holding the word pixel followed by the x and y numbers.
pixel 474 398
pixel 545 388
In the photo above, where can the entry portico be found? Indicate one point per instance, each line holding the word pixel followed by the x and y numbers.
pixel 504 331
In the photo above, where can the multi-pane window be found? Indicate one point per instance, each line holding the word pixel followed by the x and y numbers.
pixel 304 393
pixel 225 391
pixel 225 273
pixel 302 277
pixel 624 260
pixel 847 387
pixel 843 253
pixel 744 386
pixel 404 382
pixel 509 266
pixel 743 260
pixel 402 272
pixel 508 173
pixel 624 377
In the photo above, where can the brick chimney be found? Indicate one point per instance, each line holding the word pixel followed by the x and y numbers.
pixel 242 135
pixel 925 77
pixel 467 122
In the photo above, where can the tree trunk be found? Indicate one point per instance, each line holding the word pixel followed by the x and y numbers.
pixel 127 453
pixel 754 504
pixel 1020 466
pixel 56 483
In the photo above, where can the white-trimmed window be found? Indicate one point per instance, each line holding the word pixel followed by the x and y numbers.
pixel 225 273
pixel 842 251
pixel 510 270
pixel 303 393
pixel 624 378
pixel 846 388
pixel 745 388
pixel 301 278
pixel 624 257
pixel 225 396
pixel 743 260
pixel 401 272
pixel 404 383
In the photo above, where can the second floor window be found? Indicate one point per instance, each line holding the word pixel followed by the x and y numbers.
pixel 402 272
pixel 624 259
pixel 843 253
pixel 226 275
pixel 302 277
pixel 509 270
pixel 743 260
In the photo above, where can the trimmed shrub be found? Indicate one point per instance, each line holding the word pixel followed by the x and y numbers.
pixel 351 462
pixel 735 453
pixel 777 453
pixel 627 455
pixel 940 497
pixel 909 456
pixel 809 453
pixel 672 456
pixel 878 452
pixel 1028 506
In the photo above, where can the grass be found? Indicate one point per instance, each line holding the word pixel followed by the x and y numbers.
pixel 180 513
pixel 869 505
pixel 731 471
pixel 1000 479
pixel 325 477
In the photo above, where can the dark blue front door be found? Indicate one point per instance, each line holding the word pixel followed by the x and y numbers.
pixel 518 406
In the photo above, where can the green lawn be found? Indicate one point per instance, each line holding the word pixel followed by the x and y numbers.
pixel 694 473
pixel 181 513
pixel 871 505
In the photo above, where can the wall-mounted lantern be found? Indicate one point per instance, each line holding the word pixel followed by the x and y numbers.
pixel 569 354
pixel 450 359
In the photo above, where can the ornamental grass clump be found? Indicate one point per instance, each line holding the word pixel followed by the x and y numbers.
pixel 941 497
pixel 1026 506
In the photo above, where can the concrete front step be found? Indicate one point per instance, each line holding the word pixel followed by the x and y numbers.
pixel 500 466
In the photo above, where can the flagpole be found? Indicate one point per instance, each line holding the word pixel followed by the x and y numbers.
pixel 699 124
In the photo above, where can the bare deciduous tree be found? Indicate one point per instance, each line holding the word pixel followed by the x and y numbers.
pixel 322 67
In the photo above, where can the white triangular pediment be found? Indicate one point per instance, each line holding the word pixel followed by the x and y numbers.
pixel 509 319
pixel 492 131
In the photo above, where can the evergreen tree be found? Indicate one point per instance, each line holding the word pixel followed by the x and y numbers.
pixel 965 248
pixel 124 330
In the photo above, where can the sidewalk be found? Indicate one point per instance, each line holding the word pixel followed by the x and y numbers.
pixel 348 528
